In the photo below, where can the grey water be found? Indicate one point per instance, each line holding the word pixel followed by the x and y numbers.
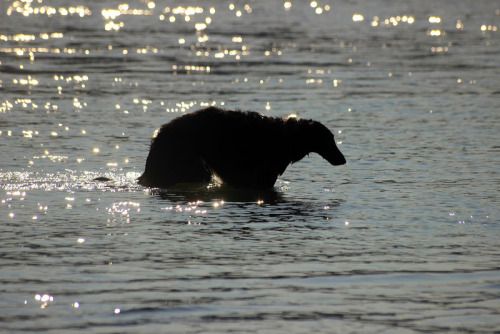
pixel 404 238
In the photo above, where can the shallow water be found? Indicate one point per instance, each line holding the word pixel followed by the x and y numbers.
pixel 404 238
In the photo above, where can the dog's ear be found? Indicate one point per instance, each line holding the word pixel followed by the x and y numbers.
pixel 296 139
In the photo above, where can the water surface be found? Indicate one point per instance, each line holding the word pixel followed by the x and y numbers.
pixel 404 238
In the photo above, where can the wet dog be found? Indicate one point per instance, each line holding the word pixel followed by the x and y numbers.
pixel 240 149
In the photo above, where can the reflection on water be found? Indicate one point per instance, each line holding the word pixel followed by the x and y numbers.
pixel 402 238
pixel 224 193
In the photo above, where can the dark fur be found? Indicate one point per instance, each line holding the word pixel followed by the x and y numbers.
pixel 243 149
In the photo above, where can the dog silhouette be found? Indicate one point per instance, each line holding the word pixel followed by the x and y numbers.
pixel 243 149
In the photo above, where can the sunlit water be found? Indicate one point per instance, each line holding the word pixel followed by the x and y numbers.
pixel 404 238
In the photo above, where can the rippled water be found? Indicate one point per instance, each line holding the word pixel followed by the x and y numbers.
pixel 404 238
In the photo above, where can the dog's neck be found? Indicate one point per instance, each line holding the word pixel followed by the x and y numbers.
pixel 297 139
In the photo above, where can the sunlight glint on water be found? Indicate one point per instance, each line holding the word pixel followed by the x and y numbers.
pixel 402 238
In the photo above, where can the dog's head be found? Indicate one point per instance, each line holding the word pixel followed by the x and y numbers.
pixel 322 142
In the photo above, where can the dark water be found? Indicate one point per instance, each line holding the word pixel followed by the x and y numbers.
pixel 403 239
